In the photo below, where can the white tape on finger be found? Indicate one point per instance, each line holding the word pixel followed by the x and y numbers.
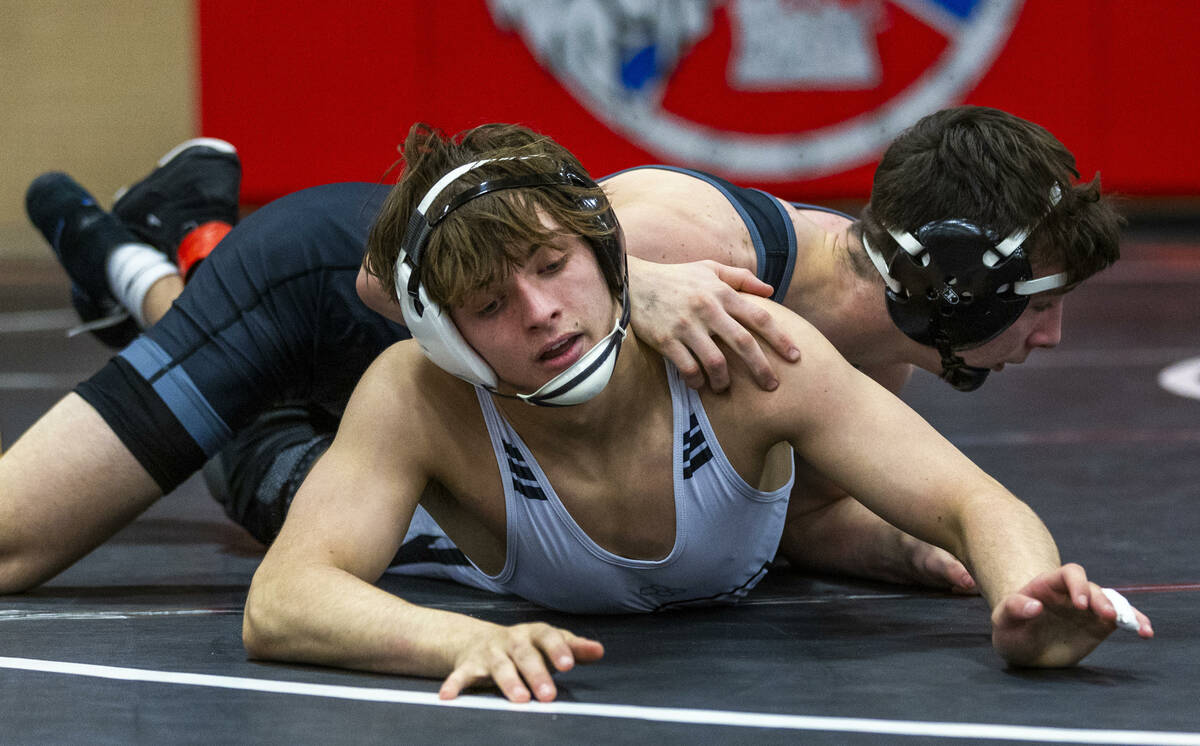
pixel 1126 619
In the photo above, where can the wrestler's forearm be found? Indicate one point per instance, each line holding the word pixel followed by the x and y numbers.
pixel 1004 544
pixel 319 614
pixel 323 615
pixel 859 436
pixel 371 293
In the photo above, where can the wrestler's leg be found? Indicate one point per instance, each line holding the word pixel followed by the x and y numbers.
pixel 828 531
pixel 66 486
pixel 256 475
pixel 159 298
pixel 138 256
pixel 71 481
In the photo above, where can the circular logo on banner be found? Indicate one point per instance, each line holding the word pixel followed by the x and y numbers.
pixel 695 80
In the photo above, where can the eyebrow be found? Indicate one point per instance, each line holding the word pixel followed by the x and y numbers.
pixel 538 246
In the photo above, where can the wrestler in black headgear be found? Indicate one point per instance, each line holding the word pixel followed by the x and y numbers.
pixel 955 286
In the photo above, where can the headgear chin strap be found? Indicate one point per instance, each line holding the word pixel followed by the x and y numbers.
pixel 954 286
pixel 587 376
pixel 436 332
pixel 956 372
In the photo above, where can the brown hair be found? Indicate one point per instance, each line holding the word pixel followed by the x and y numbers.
pixel 997 171
pixel 480 242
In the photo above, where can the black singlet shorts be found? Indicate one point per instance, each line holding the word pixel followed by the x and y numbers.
pixel 271 315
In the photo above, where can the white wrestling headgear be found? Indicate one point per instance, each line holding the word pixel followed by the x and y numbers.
pixel 440 339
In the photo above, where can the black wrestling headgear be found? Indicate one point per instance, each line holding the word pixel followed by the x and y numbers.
pixel 955 286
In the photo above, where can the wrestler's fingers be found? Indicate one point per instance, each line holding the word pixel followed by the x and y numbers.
pixel 585 650
pixel 740 278
pixel 744 344
pixel 734 327
pixel 1105 606
pixel 1125 615
pixel 683 360
pixel 939 566
pixel 1145 628
pixel 458 680
pixel 510 681
pixel 711 359
pixel 1015 609
pixel 1079 589
pixel 564 649
pixel 1059 586
pixel 495 668
pixel 762 322
pixel 555 646
pixel 530 663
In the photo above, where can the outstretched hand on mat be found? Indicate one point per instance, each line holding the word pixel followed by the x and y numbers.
pixel 515 660
pixel 1056 620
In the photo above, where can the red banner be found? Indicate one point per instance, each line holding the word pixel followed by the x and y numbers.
pixel 797 96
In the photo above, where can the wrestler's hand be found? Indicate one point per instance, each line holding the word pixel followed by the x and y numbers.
pixel 1055 620
pixel 514 659
pixel 679 308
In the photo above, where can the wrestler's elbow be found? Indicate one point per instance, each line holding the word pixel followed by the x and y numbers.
pixel 22 569
pixel 255 642
pixel 275 624
pixel 262 624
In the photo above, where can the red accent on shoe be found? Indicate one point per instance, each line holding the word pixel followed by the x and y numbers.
pixel 198 243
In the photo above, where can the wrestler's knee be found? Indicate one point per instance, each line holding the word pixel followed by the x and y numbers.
pixel 255 477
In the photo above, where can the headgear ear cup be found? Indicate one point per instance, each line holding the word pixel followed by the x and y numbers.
pixel 432 326
pixel 948 289
pixel 437 335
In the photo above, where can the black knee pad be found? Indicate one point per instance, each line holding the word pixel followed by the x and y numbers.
pixel 255 477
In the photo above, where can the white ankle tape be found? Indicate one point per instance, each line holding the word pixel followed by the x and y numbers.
pixel 132 268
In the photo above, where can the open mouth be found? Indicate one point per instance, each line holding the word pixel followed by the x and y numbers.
pixel 560 350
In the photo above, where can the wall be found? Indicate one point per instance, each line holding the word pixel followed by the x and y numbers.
pixel 315 91
pixel 97 88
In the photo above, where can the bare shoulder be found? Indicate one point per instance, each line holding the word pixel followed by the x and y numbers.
pixel 398 370
pixel 817 389
pixel 404 398
pixel 638 185
pixel 822 220
pixel 673 217
pixel 807 337
pixel 810 387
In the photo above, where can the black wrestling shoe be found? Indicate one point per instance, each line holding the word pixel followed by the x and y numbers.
pixel 82 235
pixel 197 182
